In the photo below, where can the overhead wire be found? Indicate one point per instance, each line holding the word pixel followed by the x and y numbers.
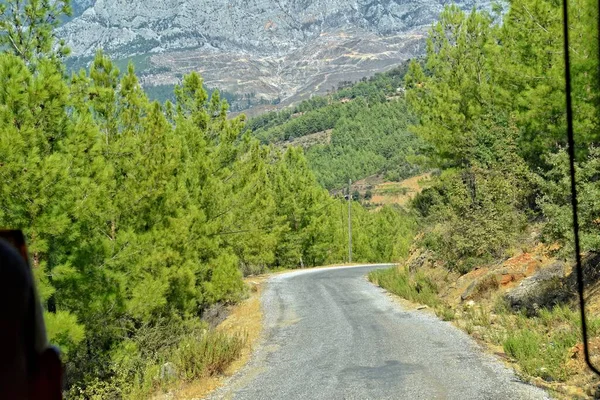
pixel 574 202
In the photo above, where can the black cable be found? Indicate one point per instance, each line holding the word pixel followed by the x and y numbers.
pixel 571 141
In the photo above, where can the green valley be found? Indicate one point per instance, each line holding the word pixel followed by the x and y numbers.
pixel 367 124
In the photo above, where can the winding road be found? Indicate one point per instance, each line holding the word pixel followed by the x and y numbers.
pixel 330 334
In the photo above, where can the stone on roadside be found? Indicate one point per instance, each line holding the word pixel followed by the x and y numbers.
pixel 545 289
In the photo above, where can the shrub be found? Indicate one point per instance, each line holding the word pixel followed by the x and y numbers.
pixel 208 355
pixel 472 215
pixel 556 203
pixel 485 286
pixel 446 313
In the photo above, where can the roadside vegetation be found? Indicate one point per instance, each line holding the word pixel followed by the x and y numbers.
pixel 415 287
pixel 142 217
pixel 545 347
pixel 489 102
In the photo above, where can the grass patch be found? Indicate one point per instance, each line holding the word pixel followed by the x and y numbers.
pixel 445 312
pixel 542 345
pixel 479 317
pixel 414 287
pixel 207 355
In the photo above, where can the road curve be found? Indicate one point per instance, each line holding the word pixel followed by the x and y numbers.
pixel 330 334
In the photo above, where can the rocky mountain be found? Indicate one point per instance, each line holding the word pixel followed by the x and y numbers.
pixel 274 50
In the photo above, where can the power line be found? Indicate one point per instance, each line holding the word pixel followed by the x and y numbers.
pixel 574 204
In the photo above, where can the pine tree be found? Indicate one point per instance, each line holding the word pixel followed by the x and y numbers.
pixel 27 29
pixel 459 85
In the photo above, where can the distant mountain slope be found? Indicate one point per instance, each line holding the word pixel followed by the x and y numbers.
pixel 267 27
pixel 274 50
pixel 358 131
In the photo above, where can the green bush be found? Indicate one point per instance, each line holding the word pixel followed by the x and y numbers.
pixel 542 345
pixel 208 355
pixel 556 201
pixel 473 215
pixel 414 287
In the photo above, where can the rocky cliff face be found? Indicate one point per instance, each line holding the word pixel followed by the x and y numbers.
pixel 271 48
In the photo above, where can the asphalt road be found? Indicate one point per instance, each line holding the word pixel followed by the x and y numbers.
pixel 330 334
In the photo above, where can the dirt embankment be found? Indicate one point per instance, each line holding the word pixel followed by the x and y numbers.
pixel 375 191
pixel 531 295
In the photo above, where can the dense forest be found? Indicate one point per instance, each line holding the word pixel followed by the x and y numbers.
pixel 141 216
pixel 490 101
pixel 368 123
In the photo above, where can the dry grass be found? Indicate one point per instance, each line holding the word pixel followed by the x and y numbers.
pixel 400 193
pixel 245 319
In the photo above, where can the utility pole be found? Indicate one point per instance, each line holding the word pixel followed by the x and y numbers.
pixel 349 222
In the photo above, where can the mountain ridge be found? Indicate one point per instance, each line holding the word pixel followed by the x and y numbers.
pixel 271 51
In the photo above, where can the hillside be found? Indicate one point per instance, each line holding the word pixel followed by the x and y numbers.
pixel 355 132
pixel 495 252
pixel 265 51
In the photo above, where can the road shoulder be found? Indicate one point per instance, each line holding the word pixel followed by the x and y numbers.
pixel 487 348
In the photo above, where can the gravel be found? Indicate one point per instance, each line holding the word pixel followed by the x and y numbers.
pixel 330 334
